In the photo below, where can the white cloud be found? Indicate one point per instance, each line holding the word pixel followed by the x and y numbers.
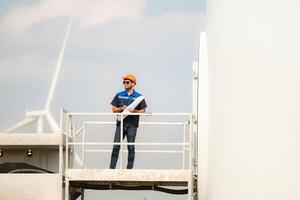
pixel 26 68
pixel 147 36
pixel 149 40
pixel 89 12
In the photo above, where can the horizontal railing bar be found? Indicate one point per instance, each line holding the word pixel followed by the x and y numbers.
pixel 100 123
pixel 138 151
pixel 114 114
pixel 128 143
pixel 140 123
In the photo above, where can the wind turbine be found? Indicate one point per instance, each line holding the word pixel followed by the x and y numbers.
pixel 39 115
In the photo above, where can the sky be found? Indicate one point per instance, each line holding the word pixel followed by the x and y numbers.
pixel 155 39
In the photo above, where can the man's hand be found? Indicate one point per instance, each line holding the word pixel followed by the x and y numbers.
pixel 124 107
pixel 131 110
pixel 118 109
pixel 139 111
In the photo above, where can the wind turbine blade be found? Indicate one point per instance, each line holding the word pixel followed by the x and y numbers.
pixel 57 69
pixel 24 122
pixel 53 125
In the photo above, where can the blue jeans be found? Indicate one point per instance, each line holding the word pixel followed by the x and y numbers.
pixel 130 132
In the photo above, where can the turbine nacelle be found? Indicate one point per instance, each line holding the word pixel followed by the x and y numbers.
pixel 36 113
pixel 36 116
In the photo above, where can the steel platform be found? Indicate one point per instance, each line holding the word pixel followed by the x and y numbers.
pixel 34 140
pixel 141 176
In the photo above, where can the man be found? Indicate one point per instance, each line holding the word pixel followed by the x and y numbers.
pixel 130 123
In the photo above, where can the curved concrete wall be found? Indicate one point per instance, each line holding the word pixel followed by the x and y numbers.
pixel 254 63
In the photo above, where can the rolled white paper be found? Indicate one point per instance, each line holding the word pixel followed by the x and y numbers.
pixel 132 106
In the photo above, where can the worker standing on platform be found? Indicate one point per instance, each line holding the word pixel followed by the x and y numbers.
pixel 130 123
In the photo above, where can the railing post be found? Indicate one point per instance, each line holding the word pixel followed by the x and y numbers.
pixel 83 146
pixel 190 183
pixel 190 141
pixel 61 154
pixel 61 113
pixel 68 130
pixel 66 121
pixel 194 144
pixel 183 147
pixel 121 142
pixel 72 148
pixel 60 162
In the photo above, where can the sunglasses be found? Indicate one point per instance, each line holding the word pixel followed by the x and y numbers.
pixel 126 82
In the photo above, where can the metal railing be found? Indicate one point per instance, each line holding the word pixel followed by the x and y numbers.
pixel 72 131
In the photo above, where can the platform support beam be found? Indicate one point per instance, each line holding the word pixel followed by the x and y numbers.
pixel 67 190
pixel 82 194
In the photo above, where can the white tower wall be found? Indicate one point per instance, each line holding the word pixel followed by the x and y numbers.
pixel 254 63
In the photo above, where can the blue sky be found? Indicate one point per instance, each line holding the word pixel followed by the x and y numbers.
pixel 158 7
pixel 154 7
pixel 156 40
pixel 152 39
